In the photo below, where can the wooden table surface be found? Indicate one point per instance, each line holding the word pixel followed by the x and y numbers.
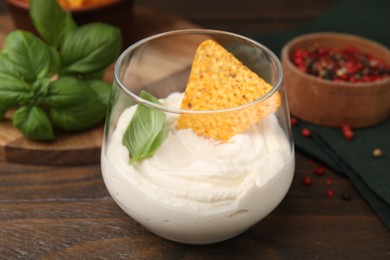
pixel 66 212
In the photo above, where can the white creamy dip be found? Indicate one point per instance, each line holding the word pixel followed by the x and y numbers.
pixel 193 190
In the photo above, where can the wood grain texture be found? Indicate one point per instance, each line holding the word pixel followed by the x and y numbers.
pixel 56 212
pixel 67 149
pixel 67 213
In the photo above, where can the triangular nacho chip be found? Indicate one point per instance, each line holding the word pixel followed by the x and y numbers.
pixel 219 81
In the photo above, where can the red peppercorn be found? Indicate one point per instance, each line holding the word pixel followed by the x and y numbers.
pixel 307 181
pixel 319 170
pixel 348 134
pixel 345 127
pixel 347 131
pixel 305 132
pixel 294 121
pixel 329 193
pixel 329 181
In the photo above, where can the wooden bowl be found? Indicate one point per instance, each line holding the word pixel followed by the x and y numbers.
pixel 118 13
pixel 329 103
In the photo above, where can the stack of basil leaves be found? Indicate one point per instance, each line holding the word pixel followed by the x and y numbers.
pixel 56 81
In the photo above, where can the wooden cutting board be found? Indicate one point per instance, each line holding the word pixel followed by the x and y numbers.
pixel 67 149
pixel 83 147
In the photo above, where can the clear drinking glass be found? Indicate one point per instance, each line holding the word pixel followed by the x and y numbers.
pixel 193 190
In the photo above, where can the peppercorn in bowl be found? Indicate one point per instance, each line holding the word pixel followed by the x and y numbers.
pixel 334 79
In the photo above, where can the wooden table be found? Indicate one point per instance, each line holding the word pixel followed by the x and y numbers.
pixel 66 212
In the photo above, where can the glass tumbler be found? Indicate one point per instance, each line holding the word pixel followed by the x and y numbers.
pixel 189 188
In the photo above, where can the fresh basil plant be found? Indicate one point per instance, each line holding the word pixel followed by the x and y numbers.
pixel 56 80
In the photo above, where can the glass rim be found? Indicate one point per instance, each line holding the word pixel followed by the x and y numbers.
pixel 209 32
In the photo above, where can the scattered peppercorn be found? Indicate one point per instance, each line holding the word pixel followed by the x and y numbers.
pixel 307 181
pixel 294 121
pixel 347 131
pixel 319 170
pixel 349 135
pixel 329 181
pixel 347 64
pixel 306 132
pixel 377 152
pixel 345 127
pixel 329 193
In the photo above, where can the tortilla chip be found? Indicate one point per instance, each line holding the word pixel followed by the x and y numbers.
pixel 219 81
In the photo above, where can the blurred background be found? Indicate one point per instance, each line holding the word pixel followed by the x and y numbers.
pixel 246 17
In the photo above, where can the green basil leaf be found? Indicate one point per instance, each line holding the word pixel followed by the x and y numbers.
pixel 7 68
pixel 144 133
pixel 70 23
pixel 90 48
pixel 50 20
pixel 96 75
pixel 29 54
pixel 54 60
pixel 67 92
pixel 14 91
pixel 33 123
pixel 40 89
pixel 74 105
pixel 78 117
pixel 102 89
pixel 152 147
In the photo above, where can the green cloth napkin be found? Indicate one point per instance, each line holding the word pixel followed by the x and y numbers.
pixel 354 159
pixel 351 158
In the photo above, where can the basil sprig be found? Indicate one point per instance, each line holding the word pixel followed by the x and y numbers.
pixel 145 131
pixel 56 80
